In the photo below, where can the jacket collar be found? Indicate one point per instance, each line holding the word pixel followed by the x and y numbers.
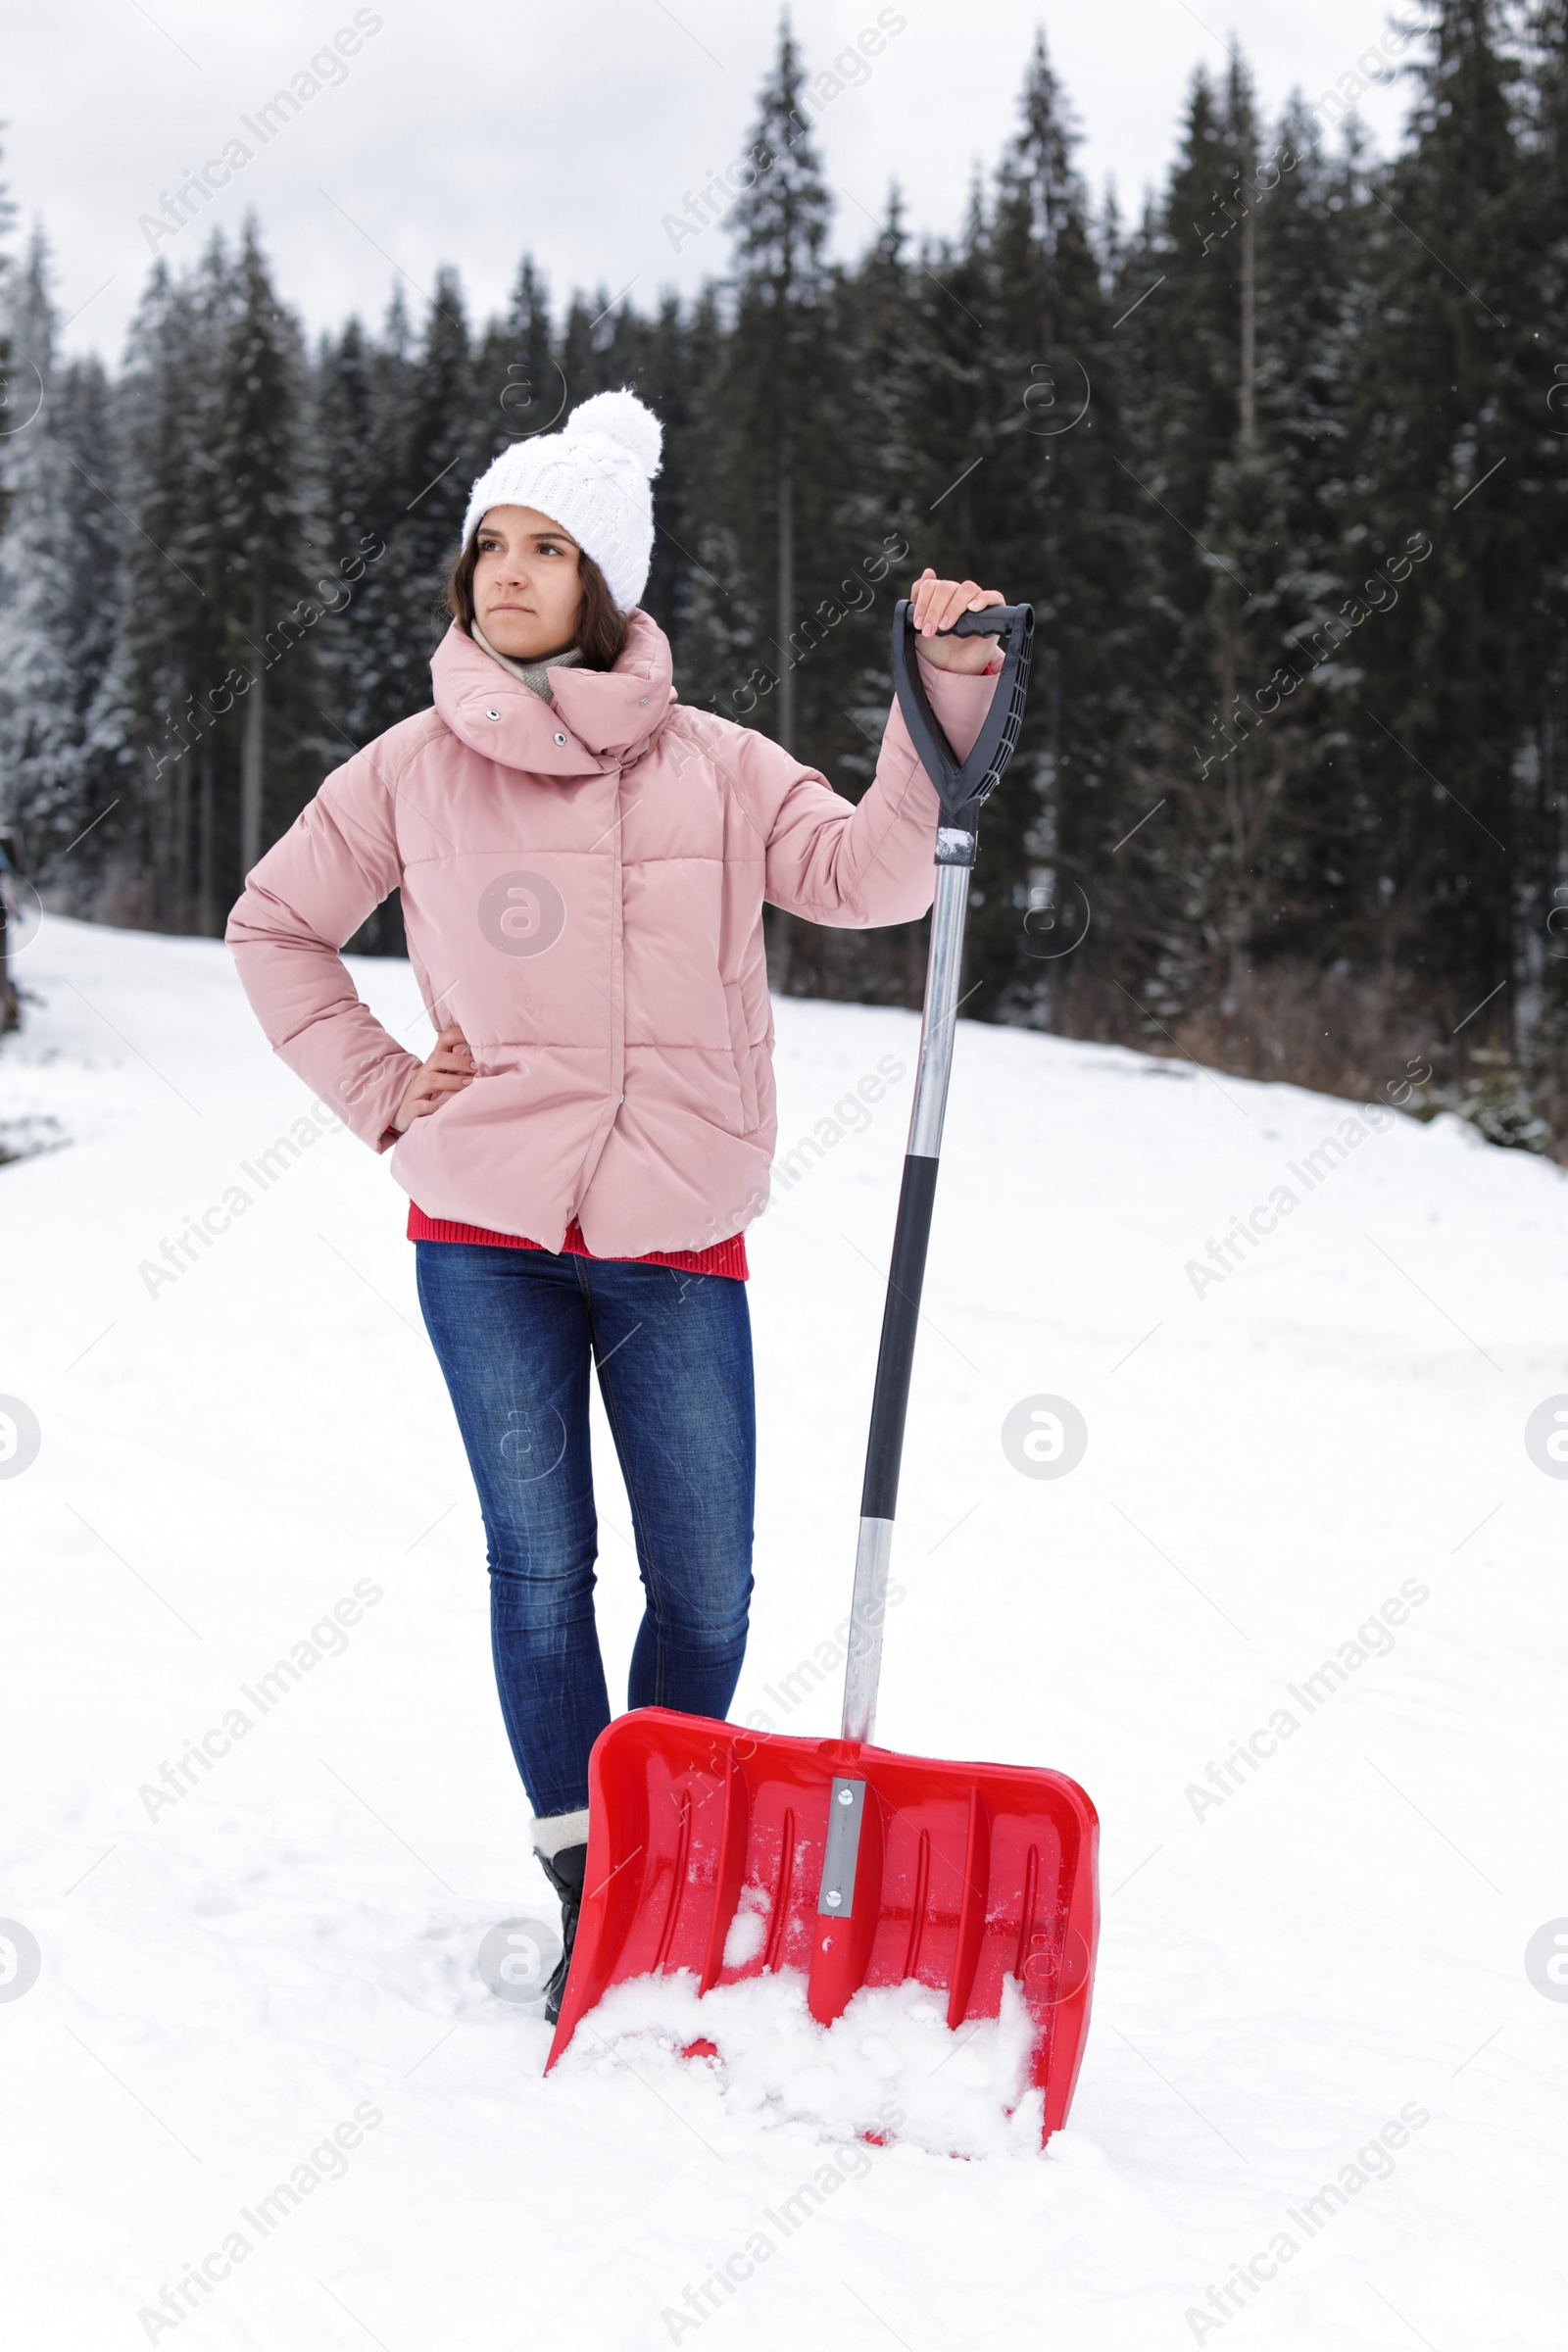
pixel 608 717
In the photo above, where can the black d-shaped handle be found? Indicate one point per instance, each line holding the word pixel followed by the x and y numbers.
pixel 963 786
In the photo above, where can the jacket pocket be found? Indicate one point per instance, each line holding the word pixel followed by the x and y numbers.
pixel 743 1052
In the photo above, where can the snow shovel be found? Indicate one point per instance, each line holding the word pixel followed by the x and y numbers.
pixel 859 1866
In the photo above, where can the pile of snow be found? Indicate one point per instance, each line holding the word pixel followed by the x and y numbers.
pixel 889 2068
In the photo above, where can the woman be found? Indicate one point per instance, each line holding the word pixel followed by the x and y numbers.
pixel 583 862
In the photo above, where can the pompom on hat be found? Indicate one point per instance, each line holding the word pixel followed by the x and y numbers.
pixel 595 478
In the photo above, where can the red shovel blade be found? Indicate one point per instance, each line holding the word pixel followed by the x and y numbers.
pixel 966 1875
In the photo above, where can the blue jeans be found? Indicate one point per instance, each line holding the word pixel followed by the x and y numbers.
pixel 515 1331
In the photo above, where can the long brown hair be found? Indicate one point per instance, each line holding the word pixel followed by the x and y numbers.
pixel 601 630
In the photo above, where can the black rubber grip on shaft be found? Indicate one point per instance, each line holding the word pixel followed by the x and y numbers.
pixel 890 1402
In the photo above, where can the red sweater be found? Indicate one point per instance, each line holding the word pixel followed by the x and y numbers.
pixel 724 1258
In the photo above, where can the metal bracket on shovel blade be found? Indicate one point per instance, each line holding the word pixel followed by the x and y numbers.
pixel 846 1812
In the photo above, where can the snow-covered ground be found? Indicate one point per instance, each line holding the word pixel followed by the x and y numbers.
pixel 1321 2080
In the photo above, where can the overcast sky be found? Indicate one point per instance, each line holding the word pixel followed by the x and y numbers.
pixel 472 130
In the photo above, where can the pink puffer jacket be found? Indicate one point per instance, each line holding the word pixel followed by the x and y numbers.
pixel 582 890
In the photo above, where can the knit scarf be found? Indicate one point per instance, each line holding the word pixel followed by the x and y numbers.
pixel 532 673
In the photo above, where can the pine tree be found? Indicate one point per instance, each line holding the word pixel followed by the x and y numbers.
pixel 61 746
pixel 350 496
pixel 59 598
pixel 523 388
pixel 13 396
pixel 719 617
pixel 42 596
pixel 672 369
pixel 84 425
pixel 779 367
pixel 270 602
pixel 380 613
pixel 440 443
pixel 1246 768
pixel 776 462
pixel 1542 805
pixel 1311 211
pixel 1237 310
pixel 1050 525
pixel 874 324
pixel 1185 413
pixel 171 650
pixel 1442 434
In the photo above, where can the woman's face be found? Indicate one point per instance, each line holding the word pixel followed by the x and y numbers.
pixel 527 590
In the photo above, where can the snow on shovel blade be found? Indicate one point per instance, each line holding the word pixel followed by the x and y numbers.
pixel 964 1875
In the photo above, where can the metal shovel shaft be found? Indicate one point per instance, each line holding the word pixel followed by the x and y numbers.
pixel 901 1313
pixel 963 786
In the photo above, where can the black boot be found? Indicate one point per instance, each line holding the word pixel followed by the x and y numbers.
pixel 565 1871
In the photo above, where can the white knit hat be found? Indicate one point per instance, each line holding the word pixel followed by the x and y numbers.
pixel 594 478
